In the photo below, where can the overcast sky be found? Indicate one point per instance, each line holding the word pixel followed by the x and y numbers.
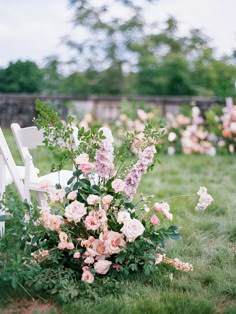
pixel 33 29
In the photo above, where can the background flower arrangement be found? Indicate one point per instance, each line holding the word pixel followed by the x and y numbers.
pixel 95 229
pixel 189 134
pixel 190 131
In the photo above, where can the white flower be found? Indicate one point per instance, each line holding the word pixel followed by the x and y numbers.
pixel 132 229
pixel 211 151
pixel 123 216
pixel 205 199
pixel 172 136
pixel 232 127
pixel 171 150
pixel 202 190
pixel 75 211
pixel 146 208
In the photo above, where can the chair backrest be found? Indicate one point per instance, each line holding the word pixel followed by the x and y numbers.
pixel 7 161
pixel 27 138
pixel 32 137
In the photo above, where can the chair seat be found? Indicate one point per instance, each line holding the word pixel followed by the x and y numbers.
pixel 21 173
pixel 52 178
pixel 61 177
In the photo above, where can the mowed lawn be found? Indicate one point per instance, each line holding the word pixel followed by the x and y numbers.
pixel 208 242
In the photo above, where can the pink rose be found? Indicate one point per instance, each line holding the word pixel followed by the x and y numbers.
pixel 155 220
pixel 99 247
pixel 164 208
pixel 101 216
pixel 102 267
pixel 87 276
pixel 159 207
pixel 159 258
pixel 63 237
pixel 72 195
pixel 85 243
pixel 85 268
pixel 89 252
pixel 93 199
pixel 118 185
pixel 52 222
pixel 89 260
pixel 132 229
pixel 62 245
pixel 106 201
pixel 75 211
pixel 92 223
pixel 86 167
pixel 70 246
pixel 57 195
pixel 81 159
pixel 76 255
pixel 91 239
pixel 113 242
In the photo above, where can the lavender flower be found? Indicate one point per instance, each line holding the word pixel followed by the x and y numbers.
pixel 134 177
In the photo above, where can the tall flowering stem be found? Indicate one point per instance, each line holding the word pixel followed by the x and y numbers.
pixel 138 170
pixel 104 158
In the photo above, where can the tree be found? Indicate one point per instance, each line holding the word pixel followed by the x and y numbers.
pixel 213 76
pixel 52 78
pixel 111 27
pixel 163 66
pixel 21 77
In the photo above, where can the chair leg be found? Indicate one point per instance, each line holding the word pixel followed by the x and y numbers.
pixel 42 199
pixel 2 190
pixel 2 223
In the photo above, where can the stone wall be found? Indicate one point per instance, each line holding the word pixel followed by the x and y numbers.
pixel 21 108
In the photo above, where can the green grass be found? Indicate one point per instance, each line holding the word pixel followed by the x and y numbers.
pixel 208 242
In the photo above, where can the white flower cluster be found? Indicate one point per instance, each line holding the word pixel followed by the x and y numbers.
pixel 205 199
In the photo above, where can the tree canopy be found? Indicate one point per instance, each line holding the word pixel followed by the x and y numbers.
pixel 123 53
pixel 21 77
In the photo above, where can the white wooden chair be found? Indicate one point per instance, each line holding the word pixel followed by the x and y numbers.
pixel 30 138
pixel 9 173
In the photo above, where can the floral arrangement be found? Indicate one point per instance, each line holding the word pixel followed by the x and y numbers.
pixel 229 125
pixel 189 134
pixel 133 120
pixel 97 226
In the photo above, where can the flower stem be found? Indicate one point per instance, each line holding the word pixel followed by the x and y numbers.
pixel 182 195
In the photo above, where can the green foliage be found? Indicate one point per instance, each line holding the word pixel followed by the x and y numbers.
pixel 21 77
pixel 58 136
